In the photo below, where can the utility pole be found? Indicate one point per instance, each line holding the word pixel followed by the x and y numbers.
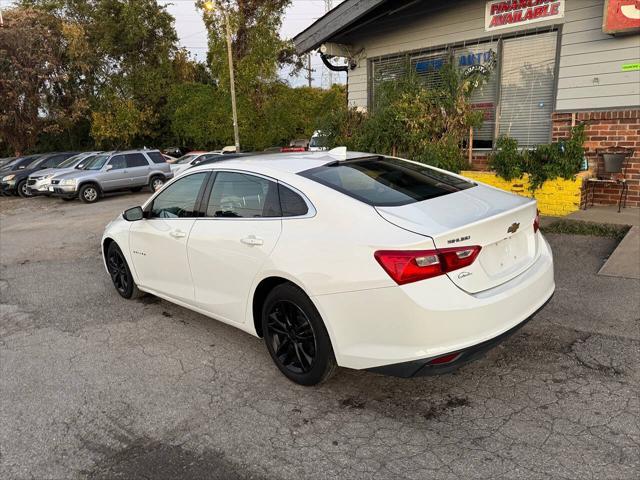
pixel 309 71
pixel 210 7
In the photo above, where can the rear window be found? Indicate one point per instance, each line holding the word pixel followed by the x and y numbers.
pixel 386 182
pixel 156 157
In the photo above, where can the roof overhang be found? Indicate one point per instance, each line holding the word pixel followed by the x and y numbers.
pixel 333 22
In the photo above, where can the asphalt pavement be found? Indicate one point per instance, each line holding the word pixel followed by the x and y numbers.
pixel 95 386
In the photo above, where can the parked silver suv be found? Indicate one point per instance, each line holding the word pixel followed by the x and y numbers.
pixel 113 171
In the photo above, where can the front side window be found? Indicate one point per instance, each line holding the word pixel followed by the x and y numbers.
pixel 178 200
pixel 136 160
pixel 238 195
pixel 386 182
pixel 118 162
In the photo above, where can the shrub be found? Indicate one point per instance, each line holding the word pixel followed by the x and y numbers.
pixel 544 162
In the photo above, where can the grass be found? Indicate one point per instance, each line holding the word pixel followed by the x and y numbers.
pixel 574 227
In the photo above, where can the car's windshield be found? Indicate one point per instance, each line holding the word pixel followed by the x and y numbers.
pixel 381 181
pixel 86 162
pixel 186 158
pixel 98 162
pixel 71 161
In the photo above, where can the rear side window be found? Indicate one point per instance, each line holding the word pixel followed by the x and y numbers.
pixel 156 157
pixel 291 203
pixel 386 182
pixel 237 195
pixel 136 160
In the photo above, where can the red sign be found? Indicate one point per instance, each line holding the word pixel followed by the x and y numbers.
pixel 514 13
pixel 621 16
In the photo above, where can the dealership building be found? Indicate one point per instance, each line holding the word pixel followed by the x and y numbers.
pixel 552 65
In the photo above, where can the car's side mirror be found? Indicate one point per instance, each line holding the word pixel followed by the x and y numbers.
pixel 108 167
pixel 133 214
pixel 80 166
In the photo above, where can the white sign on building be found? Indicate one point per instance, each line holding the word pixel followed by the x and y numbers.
pixel 513 13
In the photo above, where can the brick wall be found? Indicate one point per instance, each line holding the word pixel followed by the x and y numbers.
pixel 480 160
pixel 556 197
pixel 610 130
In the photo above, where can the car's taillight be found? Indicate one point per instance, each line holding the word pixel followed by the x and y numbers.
pixel 406 266
pixel 536 222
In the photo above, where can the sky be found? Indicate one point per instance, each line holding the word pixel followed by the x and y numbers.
pixel 299 15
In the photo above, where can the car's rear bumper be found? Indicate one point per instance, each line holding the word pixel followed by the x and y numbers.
pixel 425 320
pixel 451 361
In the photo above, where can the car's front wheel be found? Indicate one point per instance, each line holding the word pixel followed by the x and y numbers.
pixel 296 337
pixel 89 193
pixel 120 272
pixel 21 188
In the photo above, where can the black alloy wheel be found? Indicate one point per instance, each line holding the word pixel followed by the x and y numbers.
pixel 296 337
pixel 291 337
pixel 120 273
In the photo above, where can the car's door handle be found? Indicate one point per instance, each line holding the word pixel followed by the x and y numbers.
pixel 252 240
pixel 177 233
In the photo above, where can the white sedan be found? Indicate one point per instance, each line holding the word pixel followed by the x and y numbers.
pixel 336 258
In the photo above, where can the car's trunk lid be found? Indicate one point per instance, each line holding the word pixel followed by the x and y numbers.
pixel 499 222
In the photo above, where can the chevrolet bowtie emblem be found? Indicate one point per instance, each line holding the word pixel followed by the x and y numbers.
pixel 513 228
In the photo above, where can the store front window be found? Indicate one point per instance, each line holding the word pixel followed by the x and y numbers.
pixel 517 98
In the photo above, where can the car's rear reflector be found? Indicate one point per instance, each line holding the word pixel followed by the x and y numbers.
pixel 536 222
pixel 406 266
pixel 448 358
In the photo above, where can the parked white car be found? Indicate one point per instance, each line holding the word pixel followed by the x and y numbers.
pixel 335 258
pixel 192 159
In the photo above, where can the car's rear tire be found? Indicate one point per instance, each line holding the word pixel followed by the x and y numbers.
pixel 89 193
pixel 120 273
pixel 21 189
pixel 156 183
pixel 296 337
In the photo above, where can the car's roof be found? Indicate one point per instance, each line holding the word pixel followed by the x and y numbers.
pixel 293 162
pixel 133 150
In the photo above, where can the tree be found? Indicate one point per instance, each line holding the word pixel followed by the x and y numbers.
pixel 36 93
pixel 126 57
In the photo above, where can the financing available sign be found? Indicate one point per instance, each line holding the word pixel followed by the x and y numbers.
pixel 515 13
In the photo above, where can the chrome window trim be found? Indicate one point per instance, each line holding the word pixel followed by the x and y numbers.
pixel 311 210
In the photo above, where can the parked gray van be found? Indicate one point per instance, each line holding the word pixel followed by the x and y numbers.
pixel 111 172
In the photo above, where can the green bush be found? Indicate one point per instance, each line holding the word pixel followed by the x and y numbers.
pixel 544 162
